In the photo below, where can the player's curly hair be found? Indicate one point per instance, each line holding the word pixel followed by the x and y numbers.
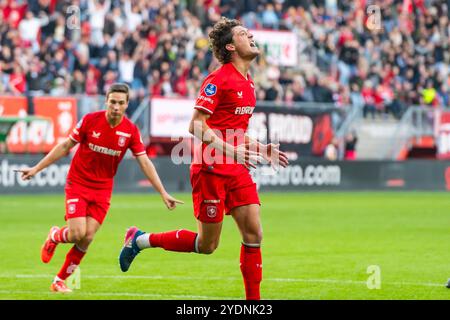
pixel 220 36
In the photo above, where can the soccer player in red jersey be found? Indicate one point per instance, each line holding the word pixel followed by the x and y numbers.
pixel 104 138
pixel 221 181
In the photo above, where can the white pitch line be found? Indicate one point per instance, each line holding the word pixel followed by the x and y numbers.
pixel 336 281
pixel 122 294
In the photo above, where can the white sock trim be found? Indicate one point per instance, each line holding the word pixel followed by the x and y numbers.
pixel 143 241
pixel 79 249
pixel 252 245
pixel 56 279
pixel 52 236
pixel 64 235
pixel 196 244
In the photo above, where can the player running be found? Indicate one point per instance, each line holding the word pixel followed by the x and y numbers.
pixel 221 181
pixel 104 138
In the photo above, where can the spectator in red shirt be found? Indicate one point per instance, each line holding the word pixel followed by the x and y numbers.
pixel 17 81
pixel 91 82
pixel 13 13
pixel 369 99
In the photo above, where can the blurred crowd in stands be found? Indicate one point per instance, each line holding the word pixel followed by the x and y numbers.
pixel 160 48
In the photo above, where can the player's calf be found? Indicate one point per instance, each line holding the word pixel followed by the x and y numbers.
pixel 178 240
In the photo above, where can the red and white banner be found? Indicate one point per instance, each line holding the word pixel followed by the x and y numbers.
pixel 63 115
pixel 38 136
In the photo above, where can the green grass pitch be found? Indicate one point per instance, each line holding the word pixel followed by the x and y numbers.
pixel 316 246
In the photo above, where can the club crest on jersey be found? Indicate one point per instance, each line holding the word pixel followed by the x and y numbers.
pixel 96 134
pixel 210 89
pixel 122 141
pixel 211 211
pixel 71 208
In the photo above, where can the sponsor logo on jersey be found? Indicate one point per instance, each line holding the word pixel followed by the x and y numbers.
pixel 96 134
pixel 210 89
pixel 206 99
pixel 122 141
pixel 211 211
pixel 211 201
pixel 109 152
pixel 239 93
pixel 123 134
pixel 244 110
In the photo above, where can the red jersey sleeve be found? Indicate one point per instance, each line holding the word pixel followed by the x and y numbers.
pixel 136 143
pixel 79 131
pixel 209 95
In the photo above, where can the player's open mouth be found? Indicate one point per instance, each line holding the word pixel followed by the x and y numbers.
pixel 253 44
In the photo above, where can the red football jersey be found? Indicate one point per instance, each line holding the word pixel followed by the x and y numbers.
pixel 230 99
pixel 101 149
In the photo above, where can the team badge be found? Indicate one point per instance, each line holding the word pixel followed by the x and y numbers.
pixel 211 211
pixel 122 141
pixel 72 208
pixel 210 89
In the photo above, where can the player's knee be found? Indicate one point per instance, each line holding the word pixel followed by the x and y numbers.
pixel 259 237
pixel 85 241
pixel 208 248
pixel 89 237
pixel 254 237
pixel 77 234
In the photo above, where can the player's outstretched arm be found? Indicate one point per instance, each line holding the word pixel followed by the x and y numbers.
pixel 60 150
pixel 152 175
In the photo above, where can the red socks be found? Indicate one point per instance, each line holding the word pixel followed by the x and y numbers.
pixel 251 268
pixel 61 236
pixel 184 241
pixel 73 259
pixel 178 240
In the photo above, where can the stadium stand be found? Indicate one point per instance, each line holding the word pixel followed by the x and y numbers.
pixel 160 48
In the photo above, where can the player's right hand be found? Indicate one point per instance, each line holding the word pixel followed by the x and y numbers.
pixel 249 158
pixel 170 202
pixel 27 173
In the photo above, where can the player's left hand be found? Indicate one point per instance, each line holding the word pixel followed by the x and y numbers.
pixel 170 202
pixel 274 156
